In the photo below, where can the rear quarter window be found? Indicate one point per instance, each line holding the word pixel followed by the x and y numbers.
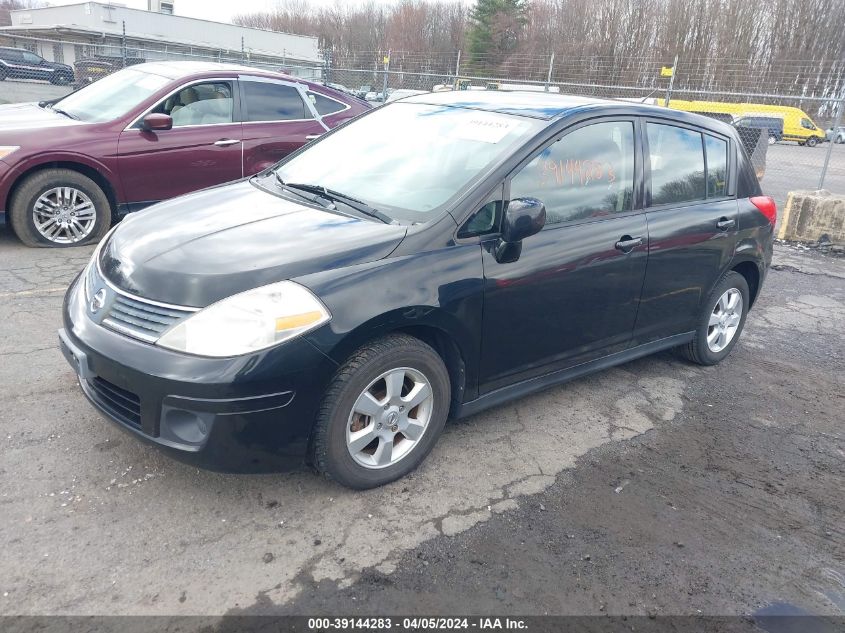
pixel 677 164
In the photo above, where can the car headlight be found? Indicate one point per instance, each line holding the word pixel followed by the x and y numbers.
pixel 5 150
pixel 248 322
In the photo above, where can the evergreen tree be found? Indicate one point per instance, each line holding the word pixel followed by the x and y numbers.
pixel 495 31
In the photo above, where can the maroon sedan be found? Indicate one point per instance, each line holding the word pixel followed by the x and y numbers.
pixel 68 168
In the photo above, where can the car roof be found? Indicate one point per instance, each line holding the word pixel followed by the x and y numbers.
pixel 551 106
pixel 180 70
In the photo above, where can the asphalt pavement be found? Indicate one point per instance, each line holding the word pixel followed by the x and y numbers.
pixel 655 487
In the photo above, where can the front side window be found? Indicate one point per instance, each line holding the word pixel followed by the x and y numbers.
pixel 807 124
pixel 677 164
pixel 717 166
pixel 324 105
pixel 265 101
pixel 410 160
pixel 588 173
pixel 31 58
pixel 200 104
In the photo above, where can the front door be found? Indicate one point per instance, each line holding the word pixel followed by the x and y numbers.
pixel 277 121
pixel 572 295
pixel 202 149
pixel 692 226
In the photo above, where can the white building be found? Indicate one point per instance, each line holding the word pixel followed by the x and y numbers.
pixel 70 32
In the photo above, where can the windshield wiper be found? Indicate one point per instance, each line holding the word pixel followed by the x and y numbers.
pixel 336 196
pixel 67 114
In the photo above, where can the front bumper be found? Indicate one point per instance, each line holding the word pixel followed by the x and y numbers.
pixel 242 414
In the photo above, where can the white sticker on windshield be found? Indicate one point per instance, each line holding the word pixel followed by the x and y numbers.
pixel 485 128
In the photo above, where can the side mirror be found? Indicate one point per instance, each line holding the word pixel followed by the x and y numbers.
pixel 157 121
pixel 524 217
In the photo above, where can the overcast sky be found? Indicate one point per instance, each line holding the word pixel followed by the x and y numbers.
pixel 219 10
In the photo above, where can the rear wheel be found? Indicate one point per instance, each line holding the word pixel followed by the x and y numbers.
pixel 382 413
pixel 59 207
pixel 721 321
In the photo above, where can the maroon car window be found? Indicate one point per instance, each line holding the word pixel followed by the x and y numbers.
pixel 325 105
pixel 273 102
pixel 200 104
pixel 589 173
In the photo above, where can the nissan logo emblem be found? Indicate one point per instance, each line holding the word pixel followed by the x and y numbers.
pixel 98 301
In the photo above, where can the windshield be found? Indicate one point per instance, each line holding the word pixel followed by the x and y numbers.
pixel 113 96
pixel 409 160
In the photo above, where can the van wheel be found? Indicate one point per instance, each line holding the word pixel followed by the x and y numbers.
pixel 59 207
pixel 812 141
pixel 772 140
pixel 382 413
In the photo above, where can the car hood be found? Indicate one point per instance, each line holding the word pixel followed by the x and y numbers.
pixel 203 247
pixel 24 116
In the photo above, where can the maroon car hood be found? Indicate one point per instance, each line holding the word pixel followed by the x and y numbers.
pixel 27 116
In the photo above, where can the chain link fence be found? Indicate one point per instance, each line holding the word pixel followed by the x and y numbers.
pixel 797 139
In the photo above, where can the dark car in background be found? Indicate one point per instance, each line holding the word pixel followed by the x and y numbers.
pixel 439 255
pixel 70 167
pixel 773 126
pixel 19 63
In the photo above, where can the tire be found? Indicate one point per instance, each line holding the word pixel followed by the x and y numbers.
pixel 699 350
pixel 361 379
pixel 89 199
pixel 772 139
pixel 812 141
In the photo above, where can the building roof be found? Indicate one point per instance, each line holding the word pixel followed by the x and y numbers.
pixel 99 18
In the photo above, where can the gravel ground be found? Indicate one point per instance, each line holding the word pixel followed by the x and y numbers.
pixel 653 488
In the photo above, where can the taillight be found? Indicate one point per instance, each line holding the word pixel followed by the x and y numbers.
pixel 767 207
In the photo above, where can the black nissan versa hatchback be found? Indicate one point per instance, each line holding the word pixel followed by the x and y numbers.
pixel 437 256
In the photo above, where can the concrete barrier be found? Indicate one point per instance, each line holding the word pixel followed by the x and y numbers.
pixel 809 215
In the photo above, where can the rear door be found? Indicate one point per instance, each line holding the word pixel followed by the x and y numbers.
pixel 202 149
pixel 692 224
pixel 277 120
pixel 572 294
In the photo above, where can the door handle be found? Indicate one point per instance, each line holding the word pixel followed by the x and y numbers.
pixel 311 137
pixel 627 243
pixel 223 142
pixel 725 223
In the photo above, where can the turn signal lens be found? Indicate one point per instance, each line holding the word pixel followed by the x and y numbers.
pixel 767 207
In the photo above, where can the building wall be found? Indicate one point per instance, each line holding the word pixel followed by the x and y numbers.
pixel 109 19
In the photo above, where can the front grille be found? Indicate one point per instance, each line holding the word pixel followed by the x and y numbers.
pixel 141 319
pixel 122 404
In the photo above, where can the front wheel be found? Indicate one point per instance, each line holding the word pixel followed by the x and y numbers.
pixel 720 322
pixel 59 207
pixel 812 141
pixel 382 413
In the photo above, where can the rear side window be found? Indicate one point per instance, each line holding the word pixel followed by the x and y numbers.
pixel 677 164
pixel 588 173
pixel 273 102
pixel 325 105
pixel 717 166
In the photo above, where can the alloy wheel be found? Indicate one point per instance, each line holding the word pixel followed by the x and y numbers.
pixel 389 418
pixel 64 215
pixel 724 320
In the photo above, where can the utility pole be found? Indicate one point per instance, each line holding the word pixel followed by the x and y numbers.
pixel 549 76
pixel 836 123
pixel 671 81
pixel 386 70
pixel 457 69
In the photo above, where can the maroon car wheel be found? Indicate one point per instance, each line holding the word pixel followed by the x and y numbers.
pixel 59 207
